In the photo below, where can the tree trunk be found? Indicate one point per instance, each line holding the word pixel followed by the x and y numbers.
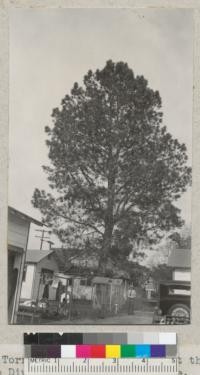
pixel 109 218
pixel 107 243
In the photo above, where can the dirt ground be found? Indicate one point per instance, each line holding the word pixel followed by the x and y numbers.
pixel 139 317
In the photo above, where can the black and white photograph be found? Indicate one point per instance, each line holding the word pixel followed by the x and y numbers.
pixel 100 166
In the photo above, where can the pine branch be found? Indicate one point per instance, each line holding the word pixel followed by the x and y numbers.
pixel 82 223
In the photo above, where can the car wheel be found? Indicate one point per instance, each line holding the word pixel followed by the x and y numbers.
pixel 179 310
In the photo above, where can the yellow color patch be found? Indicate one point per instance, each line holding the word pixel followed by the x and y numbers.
pixel 113 351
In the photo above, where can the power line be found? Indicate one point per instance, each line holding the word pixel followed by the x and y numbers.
pixel 43 238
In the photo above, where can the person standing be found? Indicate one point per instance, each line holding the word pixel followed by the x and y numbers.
pixel 131 299
pixel 65 304
pixel 45 295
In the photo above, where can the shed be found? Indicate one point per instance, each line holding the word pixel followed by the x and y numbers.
pixel 40 268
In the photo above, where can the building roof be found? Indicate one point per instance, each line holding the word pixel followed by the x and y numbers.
pixel 101 280
pixel 180 258
pixel 35 256
pixel 106 280
pixel 23 216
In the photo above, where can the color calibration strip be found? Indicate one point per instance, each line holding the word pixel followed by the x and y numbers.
pixel 133 338
pixel 100 351
pixel 101 345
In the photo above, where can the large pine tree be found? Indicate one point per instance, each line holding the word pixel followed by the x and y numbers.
pixel 115 171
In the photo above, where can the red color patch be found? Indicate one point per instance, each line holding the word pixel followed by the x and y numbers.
pixel 98 351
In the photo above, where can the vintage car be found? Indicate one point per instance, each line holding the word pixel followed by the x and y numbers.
pixel 173 303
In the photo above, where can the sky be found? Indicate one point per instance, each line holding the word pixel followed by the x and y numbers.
pixel 50 49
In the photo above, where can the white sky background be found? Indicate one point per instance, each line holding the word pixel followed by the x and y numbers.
pixel 51 49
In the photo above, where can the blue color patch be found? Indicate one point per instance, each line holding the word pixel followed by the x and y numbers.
pixel 143 351
pixel 158 351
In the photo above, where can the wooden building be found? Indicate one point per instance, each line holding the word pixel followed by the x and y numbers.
pixel 18 234
pixel 40 268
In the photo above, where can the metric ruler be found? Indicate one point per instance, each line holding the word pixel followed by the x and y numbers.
pixel 125 366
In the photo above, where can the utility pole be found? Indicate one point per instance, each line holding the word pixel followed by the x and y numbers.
pixel 42 236
pixel 50 244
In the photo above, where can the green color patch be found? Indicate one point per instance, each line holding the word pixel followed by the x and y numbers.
pixel 128 351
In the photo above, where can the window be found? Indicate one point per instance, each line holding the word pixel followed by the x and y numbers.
pixel 180 292
pixel 83 282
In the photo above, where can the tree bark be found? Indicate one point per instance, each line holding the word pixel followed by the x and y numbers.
pixel 109 217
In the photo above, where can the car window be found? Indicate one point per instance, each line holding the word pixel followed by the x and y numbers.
pixel 182 292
